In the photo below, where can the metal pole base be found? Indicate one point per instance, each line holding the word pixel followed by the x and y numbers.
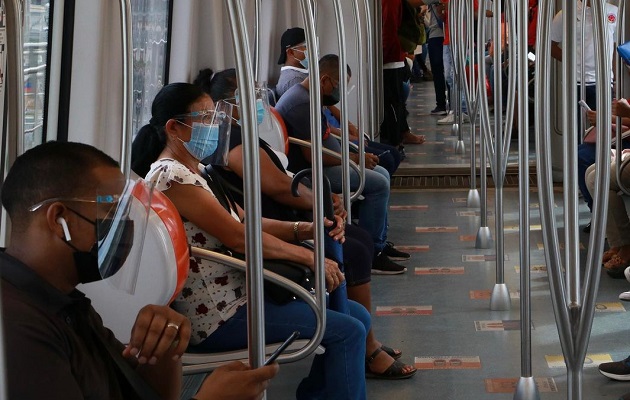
pixel 526 389
pixel 455 129
pixel 473 200
pixel 459 147
pixel 484 238
pixel 500 298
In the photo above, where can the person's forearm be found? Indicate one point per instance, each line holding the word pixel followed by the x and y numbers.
pixel 165 377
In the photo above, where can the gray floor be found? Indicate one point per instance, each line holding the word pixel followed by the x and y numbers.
pixel 449 332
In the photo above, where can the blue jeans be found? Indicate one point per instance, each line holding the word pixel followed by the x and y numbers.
pixel 339 373
pixel 388 156
pixel 437 68
pixel 373 209
pixel 449 76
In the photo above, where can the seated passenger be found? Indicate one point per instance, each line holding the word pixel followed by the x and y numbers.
pixel 586 157
pixel 293 60
pixel 293 55
pixel 214 295
pixel 617 258
pixel 294 107
pixel 51 331
pixel 277 200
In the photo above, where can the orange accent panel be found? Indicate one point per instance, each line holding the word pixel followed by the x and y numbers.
pixel 167 212
pixel 285 133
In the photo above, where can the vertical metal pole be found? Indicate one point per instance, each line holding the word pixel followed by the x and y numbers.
pixel 360 93
pixel 257 32
pixel 251 175
pixel 526 388
pixel 371 63
pixel 15 79
pixel 308 14
pixel 574 318
pixel 127 81
pixel 343 103
pixel 378 61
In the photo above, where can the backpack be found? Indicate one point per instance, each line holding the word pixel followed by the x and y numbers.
pixel 411 32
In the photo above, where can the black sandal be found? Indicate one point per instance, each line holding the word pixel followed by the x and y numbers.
pixel 393 372
pixel 392 352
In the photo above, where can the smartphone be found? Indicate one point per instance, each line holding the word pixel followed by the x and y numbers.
pixel 282 347
pixel 583 104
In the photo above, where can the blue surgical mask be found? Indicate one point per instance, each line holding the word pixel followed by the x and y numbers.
pixel 204 140
pixel 260 112
pixel 304 62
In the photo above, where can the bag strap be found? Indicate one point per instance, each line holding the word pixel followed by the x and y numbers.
pixel 437 19
pixel 214 181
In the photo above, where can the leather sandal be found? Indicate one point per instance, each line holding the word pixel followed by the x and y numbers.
pixel 608 254
pixel 393 353
pixel 393 372
pixel 616 262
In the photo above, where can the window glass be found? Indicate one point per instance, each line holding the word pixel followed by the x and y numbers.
pixel 36 22
pixel 150 35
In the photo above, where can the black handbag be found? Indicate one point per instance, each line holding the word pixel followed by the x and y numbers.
pixel 298 273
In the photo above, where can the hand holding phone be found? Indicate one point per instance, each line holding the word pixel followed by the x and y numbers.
pixel 282 347
pixel 583 104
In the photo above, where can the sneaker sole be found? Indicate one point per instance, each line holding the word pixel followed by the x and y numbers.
pixel 379 272
pixel 394 258
pixel 615 377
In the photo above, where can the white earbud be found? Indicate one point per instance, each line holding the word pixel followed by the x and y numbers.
pixel 61 221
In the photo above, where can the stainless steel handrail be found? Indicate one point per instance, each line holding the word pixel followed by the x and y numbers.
pixel 343 103
pixel 378 60
pixel 280 281
pixel 14 80
pixel 325 151
pixel 526 387
pixel 358 29
pixel 127 86
pixel 620 76
pixel 251 180
pixel 308 14
pixel 573 303
pixel 371 63
pixel 257 34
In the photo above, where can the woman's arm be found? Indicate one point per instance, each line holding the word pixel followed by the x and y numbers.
pixel 274 182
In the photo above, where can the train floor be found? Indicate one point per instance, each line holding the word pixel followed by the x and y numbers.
pixel 438 312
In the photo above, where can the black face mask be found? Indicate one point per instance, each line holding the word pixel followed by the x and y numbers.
pixel 331 99
pixel 86 262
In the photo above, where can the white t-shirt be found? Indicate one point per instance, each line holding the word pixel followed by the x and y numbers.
pixel 610 13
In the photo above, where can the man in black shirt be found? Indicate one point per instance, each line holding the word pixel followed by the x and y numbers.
pixel 55 343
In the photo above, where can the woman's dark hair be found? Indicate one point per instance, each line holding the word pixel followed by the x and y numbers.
pixel 172 100
pixel 220 85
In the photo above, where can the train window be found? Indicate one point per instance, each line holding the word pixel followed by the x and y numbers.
pixel 150 19
pixel 36 24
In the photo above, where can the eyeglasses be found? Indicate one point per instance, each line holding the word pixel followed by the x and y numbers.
pixel 105 199
pixel 207 116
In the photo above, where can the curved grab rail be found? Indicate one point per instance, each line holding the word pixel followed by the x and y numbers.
pixel 251 180
pixel 371 63
pixel 328 152
pixel 127 81
pixel 574 315
pixel 358 29
pixel 283 282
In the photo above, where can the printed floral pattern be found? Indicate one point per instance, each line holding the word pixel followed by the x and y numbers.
pixel 213 291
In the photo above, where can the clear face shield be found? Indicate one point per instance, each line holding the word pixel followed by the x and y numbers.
pixel 210 135
pixel 121 233
pixel 119 212
pixel 262 105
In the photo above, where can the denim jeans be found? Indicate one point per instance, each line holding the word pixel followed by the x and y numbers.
pixel 373 209
pixel 437 68
pixel 339 373
pixel 449 76
pixel 586 158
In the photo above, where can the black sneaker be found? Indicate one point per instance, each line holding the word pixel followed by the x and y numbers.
pixel 394 254
pixel 382 265
pixel 616 370
pixel 439 111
